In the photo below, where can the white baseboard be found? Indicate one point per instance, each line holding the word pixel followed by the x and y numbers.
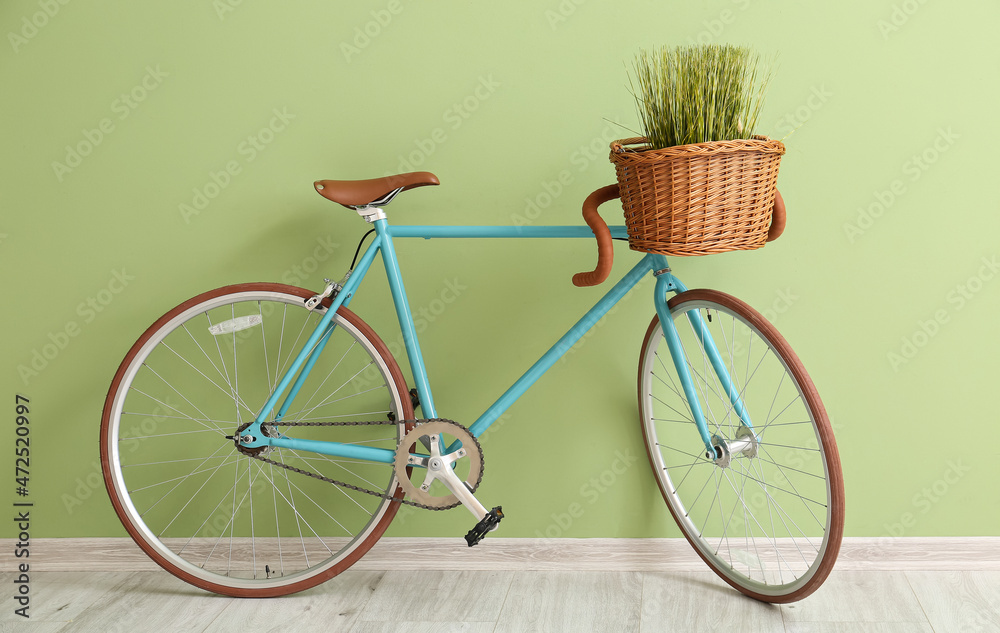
pixel 597 554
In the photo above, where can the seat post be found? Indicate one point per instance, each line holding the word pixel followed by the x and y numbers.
pixel 371 214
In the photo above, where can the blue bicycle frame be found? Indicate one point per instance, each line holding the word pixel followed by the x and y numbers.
pixel 383 243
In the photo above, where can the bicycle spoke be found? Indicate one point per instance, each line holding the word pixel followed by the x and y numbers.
pixel 201 421
pixel 169 461
pixel 326 459
pixel 820 477
pixel 324 402
pixel 222 361
pixel 326 337
pixel 687 421
pixel 253 541
pixel 263 341
pixel 796 493
pixel 698 496
pixel 146 437
pixel 668 406
pixel 797 397
pixel 678 450
pixel 346 415
pixel 177 417
pixel 277 521
pixel 180 480
pixel 672 386
pixel 294 345
pixel 770 516
pixel 231 392
pixel 740 497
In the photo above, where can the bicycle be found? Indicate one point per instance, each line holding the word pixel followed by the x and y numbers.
pixel 250 463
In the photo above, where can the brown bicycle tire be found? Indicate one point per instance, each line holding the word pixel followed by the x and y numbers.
pixel 136 534
pixel 822 426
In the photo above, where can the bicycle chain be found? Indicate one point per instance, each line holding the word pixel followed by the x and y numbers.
pixel 344 484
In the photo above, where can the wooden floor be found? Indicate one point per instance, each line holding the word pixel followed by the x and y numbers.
pixel 511 601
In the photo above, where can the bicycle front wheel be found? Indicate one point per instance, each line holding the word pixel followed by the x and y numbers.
pixel 769 515
pixel 218 518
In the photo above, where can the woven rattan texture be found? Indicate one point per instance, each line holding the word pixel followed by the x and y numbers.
pixel 697 199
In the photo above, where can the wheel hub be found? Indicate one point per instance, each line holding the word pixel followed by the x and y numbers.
pixel 744 444
pixel 253 451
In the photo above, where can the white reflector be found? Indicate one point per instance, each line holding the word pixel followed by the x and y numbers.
pixel 235 325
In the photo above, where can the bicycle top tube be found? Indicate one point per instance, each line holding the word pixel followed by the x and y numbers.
pixel 430 231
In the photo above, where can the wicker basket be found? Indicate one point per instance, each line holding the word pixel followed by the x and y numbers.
pixel 697 199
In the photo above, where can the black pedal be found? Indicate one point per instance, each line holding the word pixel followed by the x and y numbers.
pixel 490 521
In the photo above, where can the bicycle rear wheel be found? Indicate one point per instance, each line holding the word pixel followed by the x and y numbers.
pixel 218 518
pixel 770 521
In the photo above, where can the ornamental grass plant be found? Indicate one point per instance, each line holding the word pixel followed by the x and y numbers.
pixel 696 94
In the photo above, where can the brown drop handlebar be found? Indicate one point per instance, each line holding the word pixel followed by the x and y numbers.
pixel 777 218
pixel 605 246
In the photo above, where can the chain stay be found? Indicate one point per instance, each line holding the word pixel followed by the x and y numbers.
pixel 344 484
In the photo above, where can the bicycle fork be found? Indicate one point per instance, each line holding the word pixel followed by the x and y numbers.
pixel 717 449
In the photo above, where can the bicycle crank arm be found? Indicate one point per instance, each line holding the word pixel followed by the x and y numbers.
pixel 443 472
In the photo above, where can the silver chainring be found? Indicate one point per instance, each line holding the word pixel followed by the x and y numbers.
pixel 430 434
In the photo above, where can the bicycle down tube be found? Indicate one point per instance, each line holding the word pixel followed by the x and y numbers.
pixel 383 243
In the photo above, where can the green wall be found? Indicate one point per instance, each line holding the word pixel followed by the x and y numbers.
pixel 885 281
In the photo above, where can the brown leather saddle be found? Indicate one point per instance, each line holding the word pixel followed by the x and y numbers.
pixel 374 192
